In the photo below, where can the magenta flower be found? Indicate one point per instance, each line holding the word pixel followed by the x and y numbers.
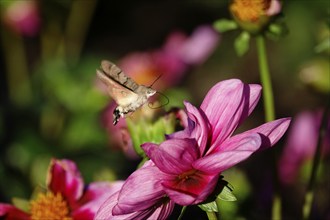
pixel 301 144
pixel 66 196
pixel 186 167
pixel 191 160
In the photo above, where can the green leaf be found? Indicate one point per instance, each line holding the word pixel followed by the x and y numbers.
pixel 276 31
pixel 21 204
pixel 227 195
pixel 242 43
pixel 209 207
pixel 323 46
pixel 224 25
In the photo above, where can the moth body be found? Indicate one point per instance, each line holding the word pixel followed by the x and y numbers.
pixel 128 95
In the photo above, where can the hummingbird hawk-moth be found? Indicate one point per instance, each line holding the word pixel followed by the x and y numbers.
pixel 128 95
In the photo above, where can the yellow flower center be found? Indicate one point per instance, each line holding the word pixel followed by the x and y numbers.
pixel 49 207
pixel 249 10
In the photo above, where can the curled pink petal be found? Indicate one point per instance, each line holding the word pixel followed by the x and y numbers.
pixel 173 156
pixel 199 126
pixel 64 177
pixel 105 210
pixel 132 198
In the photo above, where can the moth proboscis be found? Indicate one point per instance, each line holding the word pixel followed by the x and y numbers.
pixel 128 95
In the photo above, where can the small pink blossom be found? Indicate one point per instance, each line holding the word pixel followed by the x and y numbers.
pixel 64 182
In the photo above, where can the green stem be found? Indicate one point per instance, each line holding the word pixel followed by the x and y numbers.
pixel 265 79
pixel 309 196
pixel 15 60
pixel 182 212
pixel 211 215
pixel 218 202
pixel 269 109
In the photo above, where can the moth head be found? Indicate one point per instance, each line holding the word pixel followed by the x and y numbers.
pixel 150 92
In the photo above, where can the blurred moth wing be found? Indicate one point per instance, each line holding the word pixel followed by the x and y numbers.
pixel 128 95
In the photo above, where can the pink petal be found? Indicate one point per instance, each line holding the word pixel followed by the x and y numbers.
pixel 64 177
pixel 272 131
pixel 274 8
pixel 226 105
pixel 173 156
pixel 140 191
pixel 253 93
pixel 160 211
pixel 231 152
pixel 164 211
pixel 179 134
pixel 105 211
pixel 199 45
pixel 199 126
pixel 8 211
pixel 94 197
pixel 99 189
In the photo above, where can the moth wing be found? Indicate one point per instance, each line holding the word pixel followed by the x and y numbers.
pixel 118 75
pixel 122 95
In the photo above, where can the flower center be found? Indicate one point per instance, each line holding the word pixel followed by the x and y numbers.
pixel 249 10
pixel 49 206
pixel 186 176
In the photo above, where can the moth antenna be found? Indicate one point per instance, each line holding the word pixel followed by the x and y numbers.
pixel 155 80
pixel 168 101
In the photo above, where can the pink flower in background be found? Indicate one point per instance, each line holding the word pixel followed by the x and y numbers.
pixel 23 17
pixel 66 196
pixel 186 167
pixel 172 61
pixel 301 144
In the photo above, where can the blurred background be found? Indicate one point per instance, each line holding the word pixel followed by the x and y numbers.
pixel 51 104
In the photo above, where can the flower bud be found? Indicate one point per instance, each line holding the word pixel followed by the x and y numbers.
pixel 254 15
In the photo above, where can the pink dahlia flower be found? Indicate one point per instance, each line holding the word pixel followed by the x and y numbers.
pixel 66 198
pixel 186 167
